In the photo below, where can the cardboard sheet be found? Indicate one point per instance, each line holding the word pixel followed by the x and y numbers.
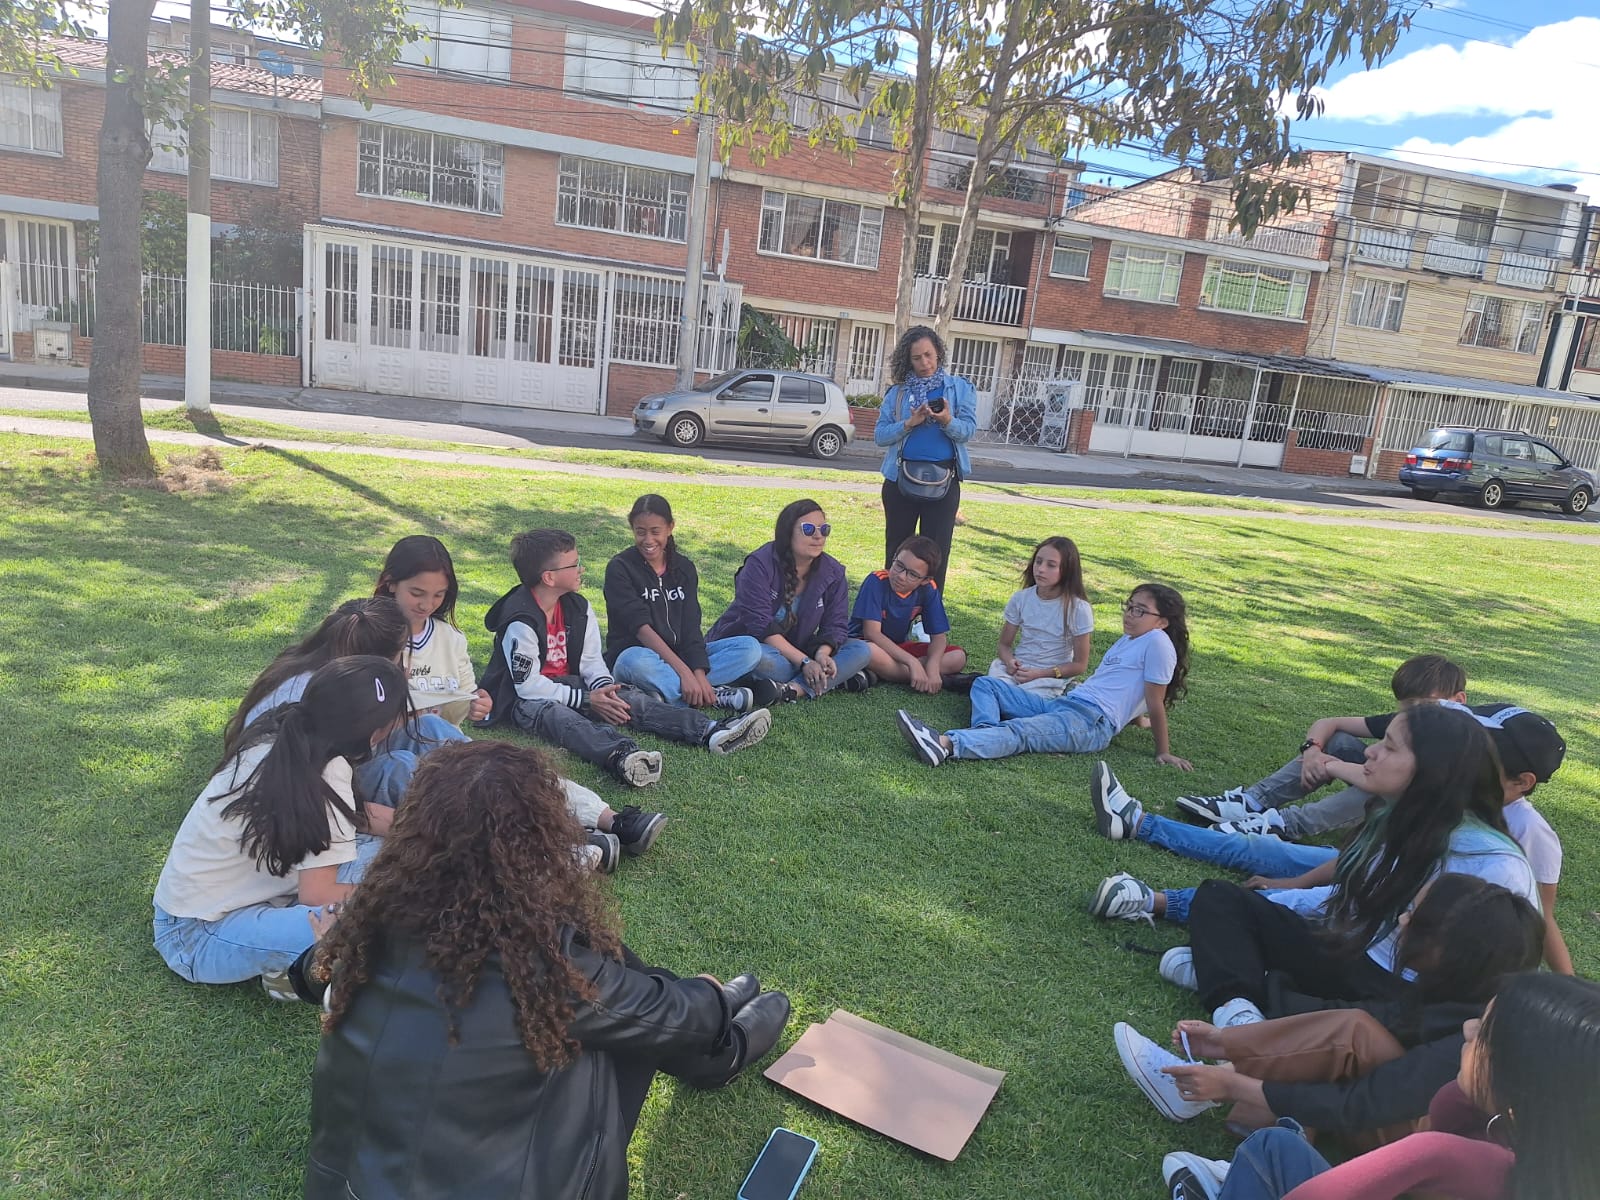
pixel 927 1098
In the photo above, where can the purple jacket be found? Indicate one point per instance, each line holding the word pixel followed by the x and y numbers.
pixel 822 607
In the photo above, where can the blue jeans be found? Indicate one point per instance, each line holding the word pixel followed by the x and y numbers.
pixel 1271 1163
pixel 851 657
pixel 1007 720
pixel 1253 853
pixel 384 777
pixel 731 658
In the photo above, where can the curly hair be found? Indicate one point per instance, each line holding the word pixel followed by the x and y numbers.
pixel 900 359
pixel 479 865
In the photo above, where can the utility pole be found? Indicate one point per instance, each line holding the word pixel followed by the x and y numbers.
pixel 197 288
pixel 694 273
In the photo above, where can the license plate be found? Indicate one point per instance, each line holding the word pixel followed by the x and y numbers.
pixel 1428 464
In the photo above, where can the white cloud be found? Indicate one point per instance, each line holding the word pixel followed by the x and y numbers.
pixel 1543 85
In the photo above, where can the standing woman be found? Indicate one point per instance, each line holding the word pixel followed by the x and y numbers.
pixel 791 596
pixel 925 422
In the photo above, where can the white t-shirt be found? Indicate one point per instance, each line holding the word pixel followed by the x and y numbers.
pixel 207 873
pixel 440 670
pixel 1474 849
pixel 1117 686
pixel 1538 841
pixel 1045 628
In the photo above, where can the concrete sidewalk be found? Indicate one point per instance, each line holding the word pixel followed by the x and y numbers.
pixel 45 388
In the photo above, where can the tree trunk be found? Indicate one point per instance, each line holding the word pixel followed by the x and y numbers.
pixel 916 170
pixel 983 156
pixel 119 439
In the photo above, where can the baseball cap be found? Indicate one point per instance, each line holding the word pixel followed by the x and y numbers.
pixel 1527 742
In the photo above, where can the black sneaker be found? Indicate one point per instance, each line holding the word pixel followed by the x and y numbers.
pixel 924 739
pixel 636 768
pixel 736 733
pixel 603 852
pixel 735 699
pixel 764 692
pixel 960 684
pixel 637 830
pixel 1191 1177
pixel 861 681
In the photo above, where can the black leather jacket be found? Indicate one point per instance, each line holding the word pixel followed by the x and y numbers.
pixel 396 1111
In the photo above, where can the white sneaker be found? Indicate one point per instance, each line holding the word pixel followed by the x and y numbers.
pixel 1143 1060
pixel 279 986
pixel 922 737
pixel 1177 968
pixel 735 699
pixel 737 733
pixel 1123 898
pixel 1268 822
pixel 641 768
pixel 1237 1011
pixel 1231 805
pixel 1190 1177
pixel 1116 814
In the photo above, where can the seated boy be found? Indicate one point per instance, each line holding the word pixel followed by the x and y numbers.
pixel 547 675
pixel 887 604
pixel 1530 749
pixel 1333 750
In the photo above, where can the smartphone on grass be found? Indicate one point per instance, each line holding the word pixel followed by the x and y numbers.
pixel 780 1168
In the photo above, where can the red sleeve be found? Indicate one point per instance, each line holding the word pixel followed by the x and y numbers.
pixel 1452 1112
pixel 1461 1168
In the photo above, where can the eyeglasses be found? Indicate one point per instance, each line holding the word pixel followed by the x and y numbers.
pixel 811 529
pixel 571 566
pixel 1134 609
pixel 902 569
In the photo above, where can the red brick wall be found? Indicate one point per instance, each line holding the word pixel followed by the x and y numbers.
pixel 625 385
pixel 1389 464
pixel 235 365
pixel 1297 460
pixel 1080 304
pixel 1079 426
pixel 865 420
pixel 70 178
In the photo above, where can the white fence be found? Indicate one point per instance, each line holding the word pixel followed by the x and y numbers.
pixel 255 318
pixel 993 303
pixel 1574 429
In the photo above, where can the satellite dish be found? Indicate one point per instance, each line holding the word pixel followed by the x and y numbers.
pixel 274 63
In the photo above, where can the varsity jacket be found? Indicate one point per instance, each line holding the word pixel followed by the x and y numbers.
pixel 520 645
pixel 670 604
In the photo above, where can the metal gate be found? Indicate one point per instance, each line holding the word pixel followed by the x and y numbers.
pixel 412 319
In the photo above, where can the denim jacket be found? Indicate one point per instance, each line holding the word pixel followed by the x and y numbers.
pixel 897 406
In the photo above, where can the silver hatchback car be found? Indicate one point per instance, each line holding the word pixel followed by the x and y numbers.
pixel 788 409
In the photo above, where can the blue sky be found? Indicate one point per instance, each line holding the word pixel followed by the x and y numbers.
pixel 1482 86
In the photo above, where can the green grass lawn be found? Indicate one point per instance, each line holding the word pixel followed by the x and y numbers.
pixel 947 904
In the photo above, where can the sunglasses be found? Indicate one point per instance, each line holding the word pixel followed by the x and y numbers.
pixel 811 528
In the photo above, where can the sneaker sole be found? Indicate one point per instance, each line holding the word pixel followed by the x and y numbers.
pixel 1109 824
pixel 279 987
pixel 642 772
pixel 1131 1064
pixel 1193 811
pixel 1191 984
pixel 646 839
pixel 1198 1167
pixel 755 728
pixel 909 731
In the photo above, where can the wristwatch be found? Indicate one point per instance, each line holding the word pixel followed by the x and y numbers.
pixel 805 661
pixel 1308 744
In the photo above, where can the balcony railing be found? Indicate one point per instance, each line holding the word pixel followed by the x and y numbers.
pixel 1584 283
pixel 1301 238
pixel 1521 270
pixel 991 303
pixel 1387 247
pixel 1452 256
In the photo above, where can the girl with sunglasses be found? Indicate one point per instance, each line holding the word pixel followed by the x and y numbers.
pixel 1144 670
pixel 791 595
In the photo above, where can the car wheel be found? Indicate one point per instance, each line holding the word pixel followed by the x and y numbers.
pixel 826 442
pixel 1424 493
pixel 1494 494
pixel 685 430
pixel 1578 502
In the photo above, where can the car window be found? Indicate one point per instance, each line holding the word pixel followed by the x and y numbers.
pixel 1543 454
pixel 1517 448
pixel 1491 443
pixel 1449 439
pixel 794 390
pixel 749 389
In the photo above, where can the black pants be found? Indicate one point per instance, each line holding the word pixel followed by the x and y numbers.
pixel 934 519
pixel 1237 936
pixel 596 741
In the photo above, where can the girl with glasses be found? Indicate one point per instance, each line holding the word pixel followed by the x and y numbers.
pixel 1144 671
pixel 791 595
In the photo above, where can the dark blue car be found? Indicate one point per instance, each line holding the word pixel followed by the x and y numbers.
pixel 1495 467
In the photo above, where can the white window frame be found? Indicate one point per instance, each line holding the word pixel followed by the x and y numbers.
pixel 43 254
pixel 1478 330
pixel 1068 244
pixel 1294 290
pixel 777 214
pixel 1168 262
pixel 244 147
pixel 490 168
pixel 30 117
pixel 1377 304
pixel 608 67
pixel 582 198
pixel 473 42
pixel 977 360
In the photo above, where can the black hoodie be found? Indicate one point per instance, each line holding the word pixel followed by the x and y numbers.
pixel 670 604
